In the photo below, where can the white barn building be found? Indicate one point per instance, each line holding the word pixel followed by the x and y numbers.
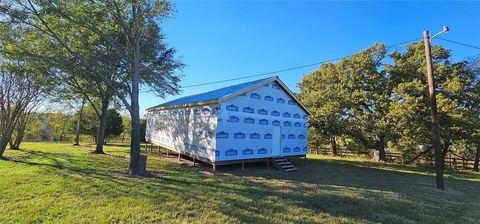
pixel 247 122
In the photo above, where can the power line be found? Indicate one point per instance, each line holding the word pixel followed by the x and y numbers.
pixel 402 43
pixel 459 43
pixel 266 73
pixel 292 68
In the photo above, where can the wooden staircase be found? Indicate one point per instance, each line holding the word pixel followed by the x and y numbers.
pixel 283 164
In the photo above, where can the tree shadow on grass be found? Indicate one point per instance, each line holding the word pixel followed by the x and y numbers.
pixel 450 173
pixel 54 162
pixel 321 191
pixel 364 193
pixel 260 201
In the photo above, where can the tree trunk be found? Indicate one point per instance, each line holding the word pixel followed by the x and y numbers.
pixel 61 135
pixel 3 146
pixel 5 138
pixel 79 124
pixel 477 160
pixel 137 162
pixel 380 147
pixel 135 145
pixel 333 143
pixel 17 139
pixel 101 126
pixel 12 144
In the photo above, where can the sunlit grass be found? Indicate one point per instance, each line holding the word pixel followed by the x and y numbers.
pixel 51 182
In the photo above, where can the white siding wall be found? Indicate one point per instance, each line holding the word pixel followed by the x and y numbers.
pixel 245 125
pixel 189 130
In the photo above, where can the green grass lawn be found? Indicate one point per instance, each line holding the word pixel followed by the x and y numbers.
pixel 59 183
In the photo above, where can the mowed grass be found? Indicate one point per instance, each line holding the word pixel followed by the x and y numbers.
pixel 59 183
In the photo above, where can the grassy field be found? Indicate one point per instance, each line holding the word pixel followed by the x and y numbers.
pixel 59 183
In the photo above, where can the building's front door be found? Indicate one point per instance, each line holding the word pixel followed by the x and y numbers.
pixel 276 139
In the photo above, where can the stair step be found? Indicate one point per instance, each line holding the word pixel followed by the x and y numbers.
pixel 280 160
pixel 287 166
pixel 283 164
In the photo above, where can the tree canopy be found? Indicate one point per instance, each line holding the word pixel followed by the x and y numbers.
pixel 380 101
pixel 119 46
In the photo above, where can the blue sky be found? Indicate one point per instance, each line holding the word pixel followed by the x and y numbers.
pixel 226 39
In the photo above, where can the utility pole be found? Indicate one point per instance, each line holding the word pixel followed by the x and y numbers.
pixel 439 164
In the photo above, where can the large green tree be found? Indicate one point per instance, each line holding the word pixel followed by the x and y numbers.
pixel 351 98
pixel 471 144
pixel 370 95
pixel 410 106
pixel 128 33
pixel 114 124
pixel 326 94
pixel 24 85
pixel 376 100
pixel 19 95
pixel 89 121
pixel 32 25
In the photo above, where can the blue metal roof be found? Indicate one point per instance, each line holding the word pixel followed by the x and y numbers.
pixel 214 94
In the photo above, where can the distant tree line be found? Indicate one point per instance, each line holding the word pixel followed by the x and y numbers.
pixel 378 101
pixel 59 126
